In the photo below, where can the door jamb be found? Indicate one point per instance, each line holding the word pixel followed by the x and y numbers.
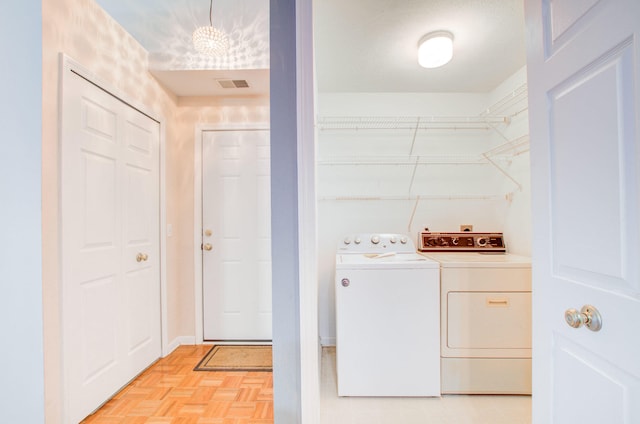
pixel 197 212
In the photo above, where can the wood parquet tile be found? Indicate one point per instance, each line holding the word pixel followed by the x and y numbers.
pixel 170 392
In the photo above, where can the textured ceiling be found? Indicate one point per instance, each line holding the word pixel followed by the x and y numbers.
pixel 371 45
pixel 361 45
pixel 164 28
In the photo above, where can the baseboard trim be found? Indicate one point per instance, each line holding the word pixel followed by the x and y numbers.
pixel 327 341
pixel 178 341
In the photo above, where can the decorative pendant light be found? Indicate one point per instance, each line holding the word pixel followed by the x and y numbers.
pixel 209 40
pixel 435 49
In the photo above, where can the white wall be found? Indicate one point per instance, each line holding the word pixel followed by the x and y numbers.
pixel 517 215
pixel 458 192
pixel 22 388
pixel 84 32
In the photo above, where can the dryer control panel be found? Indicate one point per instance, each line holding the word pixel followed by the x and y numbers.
pixel 461 242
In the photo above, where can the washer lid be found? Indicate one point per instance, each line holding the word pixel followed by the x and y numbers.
pixel 387 260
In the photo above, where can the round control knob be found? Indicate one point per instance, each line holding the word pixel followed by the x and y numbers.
pixel 357 240
pixel 482 241
pixel 393 239
pixel 375 239
pixel 347 240
pixel 403 240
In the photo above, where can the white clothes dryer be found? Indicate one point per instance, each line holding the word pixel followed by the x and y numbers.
pixel 485 313
pixel 387 318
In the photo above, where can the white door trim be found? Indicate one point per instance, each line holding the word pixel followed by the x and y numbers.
pixel 307 216
pixel 197 211
pixel 69 64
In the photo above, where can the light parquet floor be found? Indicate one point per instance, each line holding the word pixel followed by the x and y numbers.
pixel 171 392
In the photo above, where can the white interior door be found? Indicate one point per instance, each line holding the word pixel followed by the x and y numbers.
pixel 236 237
pixel 110 245
pixel 583 61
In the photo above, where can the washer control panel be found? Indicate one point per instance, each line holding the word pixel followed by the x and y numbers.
pixel 376 243
pixel 461 242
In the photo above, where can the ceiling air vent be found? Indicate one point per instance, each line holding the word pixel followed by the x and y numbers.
pixel 229 83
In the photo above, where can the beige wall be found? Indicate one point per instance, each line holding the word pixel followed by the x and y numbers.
pixel 84 32
pixel 190 113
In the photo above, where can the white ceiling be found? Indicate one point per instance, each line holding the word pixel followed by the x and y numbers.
pixel 361 45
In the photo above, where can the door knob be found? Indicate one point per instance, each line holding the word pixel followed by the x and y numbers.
pixel 588 316
pixel 142 257
pixel 345 282
pixel 207 246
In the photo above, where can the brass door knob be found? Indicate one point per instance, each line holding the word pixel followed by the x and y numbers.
pixel 142 257
pixel 207 246
pixel 588 316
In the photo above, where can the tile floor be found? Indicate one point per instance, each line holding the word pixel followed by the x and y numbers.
pixel 449 409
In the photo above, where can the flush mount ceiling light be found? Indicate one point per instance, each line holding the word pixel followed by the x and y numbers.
pixel 435 49
pixel 209 40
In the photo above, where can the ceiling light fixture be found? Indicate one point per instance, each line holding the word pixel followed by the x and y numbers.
pixel 435 49
pixel 209 40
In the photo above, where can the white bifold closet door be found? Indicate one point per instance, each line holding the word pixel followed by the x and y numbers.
pixel 111 327
pixel 236 218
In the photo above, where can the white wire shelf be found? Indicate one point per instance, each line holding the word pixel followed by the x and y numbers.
pixel 500 113
pixel 509 149
pixel 360 198
pixel 496 118
pixel 510 105
pixel 404 160
pixel 476 123
pixel 513 148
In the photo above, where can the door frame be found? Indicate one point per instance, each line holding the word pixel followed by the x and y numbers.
pixel 197 212
pixel 68 65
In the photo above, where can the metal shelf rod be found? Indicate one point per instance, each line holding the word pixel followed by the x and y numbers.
pixel 409 123
pixel 512 145
pixel 520 94
pixel 404 163
pixel 389 163
pixel 408 127
pixel 403 160
pixel 413 197
pixel 503 171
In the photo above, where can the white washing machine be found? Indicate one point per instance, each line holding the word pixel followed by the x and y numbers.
pixel 485 313
pixel 387 318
